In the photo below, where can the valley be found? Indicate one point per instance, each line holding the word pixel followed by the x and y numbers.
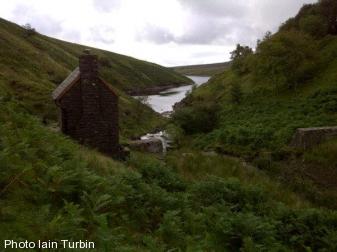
pixel 202 70
pixel 231 181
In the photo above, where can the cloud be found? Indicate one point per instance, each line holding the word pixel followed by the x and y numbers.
pixel 203 30
pixel 107 5
pixel 170 32
pixel 102 33
pixel 219 22
pixel 72 35
pixel 43 23
pixel 155 34
pixel 216 8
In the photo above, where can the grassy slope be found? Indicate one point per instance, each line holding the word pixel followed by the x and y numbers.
pixel 261 126
pixel 51 189
pixel 310 105
pixel 32 66
pixel 202 70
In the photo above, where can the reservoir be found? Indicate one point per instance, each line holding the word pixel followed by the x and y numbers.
pixel 164 101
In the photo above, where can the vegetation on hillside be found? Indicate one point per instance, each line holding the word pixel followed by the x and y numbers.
pixel 53 189
pixel 288 82
pixel 192 200
pixel 202 70
pixel 32 65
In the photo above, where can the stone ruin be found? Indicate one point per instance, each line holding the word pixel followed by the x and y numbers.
pixel 306 138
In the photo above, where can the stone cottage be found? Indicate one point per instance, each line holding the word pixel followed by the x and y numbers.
pixel 89 107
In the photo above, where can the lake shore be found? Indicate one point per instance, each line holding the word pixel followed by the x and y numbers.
pixel 162 100
pixel 154 90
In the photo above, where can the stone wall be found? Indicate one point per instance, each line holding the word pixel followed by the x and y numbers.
pixel 71 110
pixel 306 138
pixel 90 110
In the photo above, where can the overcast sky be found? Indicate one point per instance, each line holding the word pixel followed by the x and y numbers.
pixel 168 32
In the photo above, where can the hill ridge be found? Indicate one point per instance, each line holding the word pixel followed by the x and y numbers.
pixel 32 65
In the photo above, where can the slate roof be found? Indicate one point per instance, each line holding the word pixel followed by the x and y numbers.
pixel 72 79
pixel 66 84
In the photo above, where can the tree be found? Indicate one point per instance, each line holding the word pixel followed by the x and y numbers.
pixel 241 52
pixel 29 30
pixel 238 57
pixel 314 25
pixel 267 36
pixel 286 60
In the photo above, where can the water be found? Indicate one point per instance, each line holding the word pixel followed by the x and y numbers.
pixel 164 101
pixel 162 136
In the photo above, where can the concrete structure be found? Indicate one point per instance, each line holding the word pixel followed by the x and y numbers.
pixel 306 138
pixel 89 107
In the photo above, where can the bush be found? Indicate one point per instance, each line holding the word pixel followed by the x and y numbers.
pixel 155 172
pixel 236 93
pixel 214 191
pixel 196 119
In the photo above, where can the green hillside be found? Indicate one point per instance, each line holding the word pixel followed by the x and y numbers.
pixel 202 70
pixel 54 189
pixel 253 109
pixel 32 65
pixel 197 197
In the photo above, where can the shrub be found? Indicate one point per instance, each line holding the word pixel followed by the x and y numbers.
pixel 236 93
pixel 307 229
pixel 239 231
pixel 161 175
pixel 196 119
pixel 216 191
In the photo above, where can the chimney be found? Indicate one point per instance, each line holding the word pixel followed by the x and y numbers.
pixel 89 79
pixel 88 66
